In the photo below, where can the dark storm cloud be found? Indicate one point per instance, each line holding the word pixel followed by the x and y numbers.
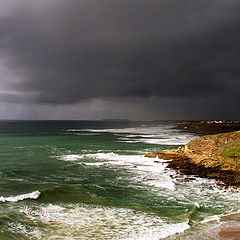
pixel 69 51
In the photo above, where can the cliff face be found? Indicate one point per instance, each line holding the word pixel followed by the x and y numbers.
pixel 213 156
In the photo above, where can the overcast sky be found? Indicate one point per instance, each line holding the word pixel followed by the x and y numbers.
pixel 93 59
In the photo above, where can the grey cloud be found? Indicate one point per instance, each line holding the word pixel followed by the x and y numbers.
pixel 70 51
pixel 11 98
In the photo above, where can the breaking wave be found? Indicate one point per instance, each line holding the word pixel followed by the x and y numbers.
pixel 32 195
pixel 145 170
pixel 161 135
pixel 94 222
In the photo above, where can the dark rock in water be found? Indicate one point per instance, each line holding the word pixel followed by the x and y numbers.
pixel 186 179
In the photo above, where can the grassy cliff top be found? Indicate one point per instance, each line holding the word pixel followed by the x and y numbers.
pixel 223 144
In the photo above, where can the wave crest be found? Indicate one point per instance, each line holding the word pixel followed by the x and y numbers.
pixel 32 195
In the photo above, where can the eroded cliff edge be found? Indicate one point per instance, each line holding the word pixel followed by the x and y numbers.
pixel 212 156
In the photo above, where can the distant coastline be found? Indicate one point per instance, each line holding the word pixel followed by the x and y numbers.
pixel 209 127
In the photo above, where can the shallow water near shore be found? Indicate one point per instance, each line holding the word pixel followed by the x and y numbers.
pixel 90 180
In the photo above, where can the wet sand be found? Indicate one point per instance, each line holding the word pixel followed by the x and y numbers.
pixel 230 227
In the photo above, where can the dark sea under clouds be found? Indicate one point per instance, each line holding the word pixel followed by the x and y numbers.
pixel 90 180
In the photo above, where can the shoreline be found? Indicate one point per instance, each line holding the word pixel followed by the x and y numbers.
pixel 206 157
pixel 184 164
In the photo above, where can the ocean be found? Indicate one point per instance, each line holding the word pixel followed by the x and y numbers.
pixel 90 180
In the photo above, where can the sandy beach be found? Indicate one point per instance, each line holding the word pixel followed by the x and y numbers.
pixel 230 227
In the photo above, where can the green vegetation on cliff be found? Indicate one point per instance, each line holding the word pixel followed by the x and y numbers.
pixel 232 152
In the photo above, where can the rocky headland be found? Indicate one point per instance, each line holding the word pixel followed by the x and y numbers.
pixel 212 156
pixel 216 156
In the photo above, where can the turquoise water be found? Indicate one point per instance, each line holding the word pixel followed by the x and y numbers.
pixel 90 180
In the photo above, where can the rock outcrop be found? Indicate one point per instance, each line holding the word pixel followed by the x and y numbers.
pixel 211 156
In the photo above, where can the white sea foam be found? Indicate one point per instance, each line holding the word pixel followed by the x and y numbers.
pixel 166 137
pixel 163 135
pixel 87 134
pixel 136 130
pixel 71 157
pixel 211 219
pixel 32 195
pixel 32 232
pixel 170 141
pixel 117 159
pixel 164 182
pixel 146 170
pixel 74 130
pixel 163 232
pixel 93 222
